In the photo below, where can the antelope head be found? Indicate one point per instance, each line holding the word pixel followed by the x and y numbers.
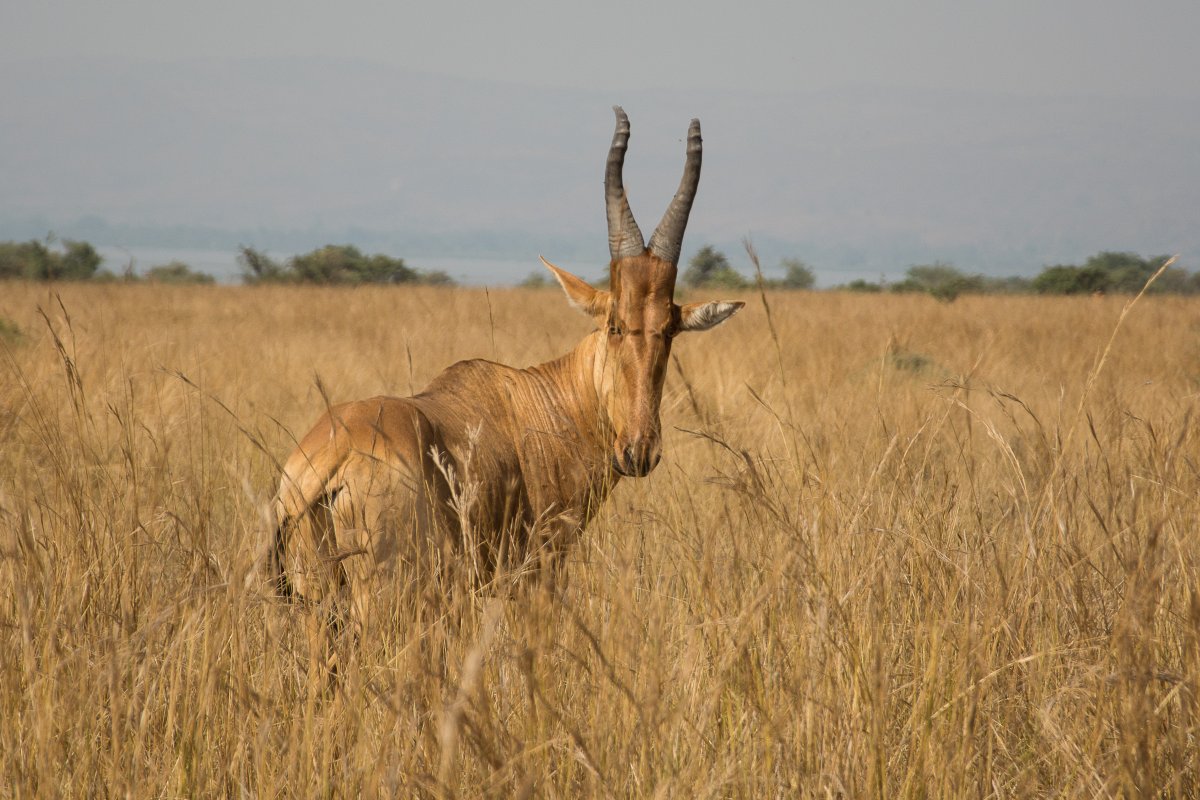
pixel 638 316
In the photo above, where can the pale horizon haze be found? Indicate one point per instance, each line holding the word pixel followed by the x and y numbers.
pixel 861 138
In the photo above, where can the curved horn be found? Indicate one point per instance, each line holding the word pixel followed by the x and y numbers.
pixel 668 236
pixel 624 238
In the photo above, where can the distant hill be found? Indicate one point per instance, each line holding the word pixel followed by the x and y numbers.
pixel 293 153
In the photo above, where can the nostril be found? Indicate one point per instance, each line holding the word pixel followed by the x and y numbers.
pixel 637 458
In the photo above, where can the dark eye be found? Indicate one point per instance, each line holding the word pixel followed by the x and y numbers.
pixel 614 330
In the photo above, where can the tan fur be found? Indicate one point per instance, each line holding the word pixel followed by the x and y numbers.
pixel 490 465
pixel 373 487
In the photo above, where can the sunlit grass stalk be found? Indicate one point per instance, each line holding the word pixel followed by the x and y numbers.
pixel 921 576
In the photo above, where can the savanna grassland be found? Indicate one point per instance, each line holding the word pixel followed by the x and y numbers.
pixel 896 548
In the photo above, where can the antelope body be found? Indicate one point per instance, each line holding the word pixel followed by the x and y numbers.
pixel 514 460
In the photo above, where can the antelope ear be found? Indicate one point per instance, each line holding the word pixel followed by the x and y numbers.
pixel 702 316
pixel 591 301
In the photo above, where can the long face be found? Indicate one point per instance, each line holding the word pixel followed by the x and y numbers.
pixel 638 318
pixel 638 322
pixel 642 321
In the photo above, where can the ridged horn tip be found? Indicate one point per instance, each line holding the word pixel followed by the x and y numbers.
pixel 667 240
pixel 624 236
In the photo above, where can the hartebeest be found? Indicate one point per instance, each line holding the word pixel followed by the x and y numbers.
pixel 511 461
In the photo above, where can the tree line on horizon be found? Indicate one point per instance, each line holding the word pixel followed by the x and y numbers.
pixel 73 260
pixel 335 265
pixel 1108 272
pixel 1104 273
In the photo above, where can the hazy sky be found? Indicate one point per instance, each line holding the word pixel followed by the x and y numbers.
pixel 858 135
pixel 1023 46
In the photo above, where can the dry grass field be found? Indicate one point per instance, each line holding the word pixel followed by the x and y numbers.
pixel 896 548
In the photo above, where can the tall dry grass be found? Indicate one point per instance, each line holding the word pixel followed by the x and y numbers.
pixel 894 550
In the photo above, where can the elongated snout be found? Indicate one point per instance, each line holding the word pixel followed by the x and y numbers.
pixel 637 457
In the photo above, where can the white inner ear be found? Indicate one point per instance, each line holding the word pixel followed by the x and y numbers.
pixel 575 303
pixel 710 315
pixel 579 292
